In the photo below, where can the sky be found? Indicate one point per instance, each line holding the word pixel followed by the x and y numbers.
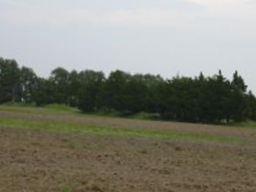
pixel 166 37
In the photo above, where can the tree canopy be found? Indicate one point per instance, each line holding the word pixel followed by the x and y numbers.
pixel 203 99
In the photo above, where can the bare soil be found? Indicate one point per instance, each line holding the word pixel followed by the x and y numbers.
pixel 33 161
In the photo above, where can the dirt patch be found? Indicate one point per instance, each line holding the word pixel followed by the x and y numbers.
pixel 36 162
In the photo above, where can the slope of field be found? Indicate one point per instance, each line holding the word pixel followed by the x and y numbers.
pixel 64 151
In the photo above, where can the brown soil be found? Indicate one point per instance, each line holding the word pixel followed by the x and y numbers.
pixel 33 161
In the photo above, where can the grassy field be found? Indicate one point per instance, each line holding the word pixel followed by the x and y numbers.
pixel 56 148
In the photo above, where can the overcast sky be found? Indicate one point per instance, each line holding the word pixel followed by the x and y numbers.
pixel 166 37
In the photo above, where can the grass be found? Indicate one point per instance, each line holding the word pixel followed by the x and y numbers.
pixel 246 124
pixel 48 109
pixel 67 189
pixel 60 127
pixel 64 109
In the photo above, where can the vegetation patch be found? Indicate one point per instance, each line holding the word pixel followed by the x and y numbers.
pixel 201 99
pixel 59 127
pixel 48 109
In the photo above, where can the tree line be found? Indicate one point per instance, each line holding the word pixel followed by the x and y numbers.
pixel 203 99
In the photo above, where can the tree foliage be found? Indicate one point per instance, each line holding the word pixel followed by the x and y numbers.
pixel 212 99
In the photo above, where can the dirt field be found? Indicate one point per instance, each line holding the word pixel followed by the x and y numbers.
pixel 34 160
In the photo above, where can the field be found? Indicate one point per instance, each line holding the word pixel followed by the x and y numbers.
pixel 60 150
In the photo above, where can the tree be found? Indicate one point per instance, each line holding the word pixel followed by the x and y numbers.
pixel 27 84
pixel 134 95
pixel 74 88
pixel 60 80
pixel 90 93
pixel 238 83
pixel 251 106
pixel 42 93
pixel 152 98
pixel 9 80
pixel 179 100
pixel 238 98
pixel 213 99
pixel 114 91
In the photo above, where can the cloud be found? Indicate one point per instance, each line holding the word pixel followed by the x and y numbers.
pixel 130 14
pixel 110 4
pixel 218 3
pixel 137 17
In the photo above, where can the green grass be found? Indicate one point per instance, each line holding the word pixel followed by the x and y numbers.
pixel 246 124
pixel 59 127
pixel 48 109
pixel 67 189
pixel 63 109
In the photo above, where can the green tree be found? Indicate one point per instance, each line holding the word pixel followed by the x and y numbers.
pixel 152 97
pixel 212 99
pixel 60 80
pixel 73 89
pixel 251 106
pixel 90 93
pixel 134 95
pixel 238 98
pixel 42 94
pixel 114 91
pixel 9 80
pixel 28 80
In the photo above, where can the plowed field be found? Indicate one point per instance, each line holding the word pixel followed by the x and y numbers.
pixel 65 152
